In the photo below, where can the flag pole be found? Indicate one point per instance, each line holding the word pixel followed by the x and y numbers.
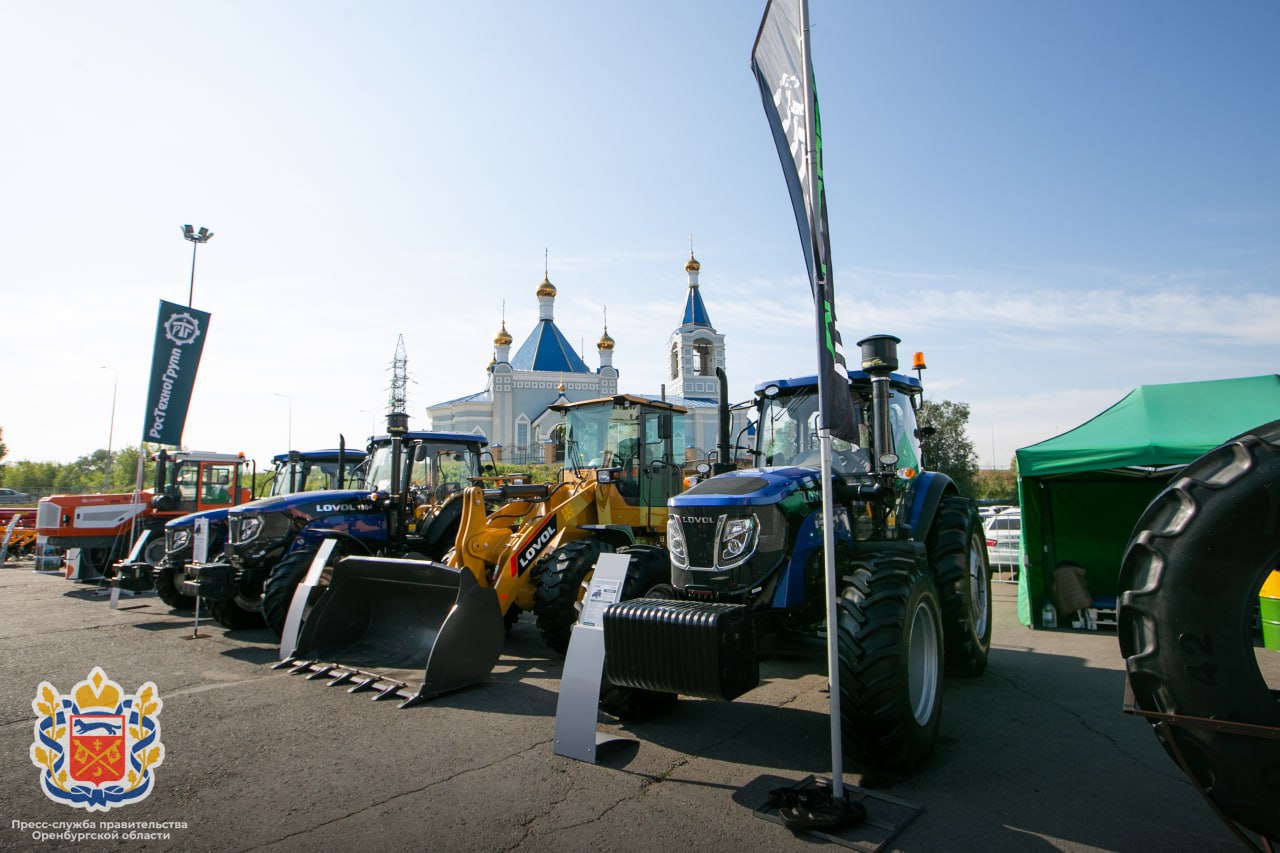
pixel 824 429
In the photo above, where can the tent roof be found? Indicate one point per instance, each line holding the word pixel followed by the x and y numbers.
pixel 1158 425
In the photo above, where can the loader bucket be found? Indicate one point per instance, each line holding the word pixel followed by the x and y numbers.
pixel 382 620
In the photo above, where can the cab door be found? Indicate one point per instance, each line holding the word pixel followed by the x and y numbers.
pixel 659 471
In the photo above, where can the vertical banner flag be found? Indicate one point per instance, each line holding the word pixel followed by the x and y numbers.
pixel 777 60
pixel 180 334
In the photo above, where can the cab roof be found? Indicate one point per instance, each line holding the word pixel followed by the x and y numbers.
pixel 321 455
pixel 621 400
pixel 857 378
pixel 444 437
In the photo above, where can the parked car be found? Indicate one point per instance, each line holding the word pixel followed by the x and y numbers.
pixel 10 497
pixel 1004 539
pixel 986 512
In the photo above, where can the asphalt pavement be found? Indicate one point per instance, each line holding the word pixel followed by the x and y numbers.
pixel 1035 754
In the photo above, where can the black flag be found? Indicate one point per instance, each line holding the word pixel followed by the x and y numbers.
pixel 180 334
pixel 777 60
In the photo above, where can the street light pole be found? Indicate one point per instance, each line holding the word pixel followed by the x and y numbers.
pixel 111 432
pixel 290 401
pixel 196 238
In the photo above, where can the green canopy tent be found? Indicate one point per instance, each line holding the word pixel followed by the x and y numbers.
pixel 1083 491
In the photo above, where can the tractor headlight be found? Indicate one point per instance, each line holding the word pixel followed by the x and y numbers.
pixel 737 541
pixel 248 529
pixel 676 546
pixel 177 540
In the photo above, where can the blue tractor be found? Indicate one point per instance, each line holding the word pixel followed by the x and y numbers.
pixel 747 567
pixel 295 471
pixel 407 505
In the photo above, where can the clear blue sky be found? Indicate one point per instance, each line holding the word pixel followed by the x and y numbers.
pixel 1054 201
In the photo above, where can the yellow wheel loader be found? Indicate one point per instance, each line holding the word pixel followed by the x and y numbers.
pixel 376 621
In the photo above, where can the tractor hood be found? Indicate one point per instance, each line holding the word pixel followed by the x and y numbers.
pixel 310 503
pixel 753 487
pixel 219 514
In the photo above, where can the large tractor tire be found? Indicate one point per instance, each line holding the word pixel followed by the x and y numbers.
pixel 962 576
pixel 891 654
pixel 277 593
pixel 555 600
pixel 649 575
pixel 1189 587
pixel 169 576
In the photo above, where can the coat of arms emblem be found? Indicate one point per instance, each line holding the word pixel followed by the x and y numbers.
pixel 97 748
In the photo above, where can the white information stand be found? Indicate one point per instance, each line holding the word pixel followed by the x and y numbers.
pixel 199 554
pixel 579 700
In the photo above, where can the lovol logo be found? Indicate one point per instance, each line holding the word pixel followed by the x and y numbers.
pixel 532 549
pixel 699 519
pixel 353 507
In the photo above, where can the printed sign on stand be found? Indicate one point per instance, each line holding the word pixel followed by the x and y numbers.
pixel 579 700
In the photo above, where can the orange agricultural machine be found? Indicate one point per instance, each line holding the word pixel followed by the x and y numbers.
pixel 105 527
pixel 17 532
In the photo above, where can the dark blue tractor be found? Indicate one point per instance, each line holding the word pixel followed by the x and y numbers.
pixel 292 472
pixel 748 568
pixel 408 504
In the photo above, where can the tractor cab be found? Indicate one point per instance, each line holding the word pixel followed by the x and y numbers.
pixel 632 444
pixel 193 481
pixel 316 470
pixel 787 430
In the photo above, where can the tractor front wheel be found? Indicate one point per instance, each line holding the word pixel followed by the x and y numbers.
pixel 169 578
pixel 277 594
pixel 891 655
pixel 238 613
pixel 559 590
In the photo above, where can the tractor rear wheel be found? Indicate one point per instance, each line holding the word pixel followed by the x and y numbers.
pixel 169 577
pixel 555 600
pixel 962 576
pixel 277 593
pixel 1189 588
pixel 891 655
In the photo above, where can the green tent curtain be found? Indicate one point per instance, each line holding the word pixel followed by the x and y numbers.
pixel 1082 492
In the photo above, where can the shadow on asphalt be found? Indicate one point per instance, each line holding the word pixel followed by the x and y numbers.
pixel 164 626
pixel 253 654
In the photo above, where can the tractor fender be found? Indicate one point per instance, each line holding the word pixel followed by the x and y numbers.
pixel 806 546
pixel 923 498
pixel 312 535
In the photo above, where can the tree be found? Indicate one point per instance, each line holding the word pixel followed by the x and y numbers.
pixel 948 450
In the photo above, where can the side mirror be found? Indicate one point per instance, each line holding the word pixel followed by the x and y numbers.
pixel 664 425
pixel 926 432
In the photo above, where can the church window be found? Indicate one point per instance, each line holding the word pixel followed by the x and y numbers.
pixel 706 364
pixel 675 360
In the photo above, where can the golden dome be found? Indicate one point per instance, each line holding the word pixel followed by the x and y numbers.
pixel 546 288
pixel 605 341
pixel 692 265
pixel 503 338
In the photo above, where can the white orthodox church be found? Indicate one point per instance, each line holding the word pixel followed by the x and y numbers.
pixel 513 412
